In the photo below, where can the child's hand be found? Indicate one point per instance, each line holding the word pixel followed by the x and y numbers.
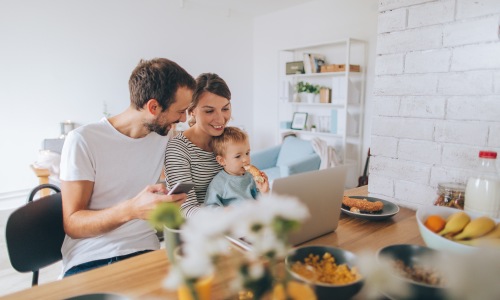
pixel 264 186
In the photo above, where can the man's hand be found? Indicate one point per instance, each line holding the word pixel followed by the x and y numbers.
pixel 142 204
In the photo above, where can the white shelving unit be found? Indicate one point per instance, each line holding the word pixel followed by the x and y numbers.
pixel 347 99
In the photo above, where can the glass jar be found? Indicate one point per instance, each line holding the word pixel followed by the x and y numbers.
pixel 451 194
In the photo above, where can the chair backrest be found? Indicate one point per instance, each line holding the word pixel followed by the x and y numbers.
pixel 35 233
pixel 293 149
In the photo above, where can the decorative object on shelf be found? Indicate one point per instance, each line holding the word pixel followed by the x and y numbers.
pixel 334 121
pixel 294 67
pixel 313 62
pixel 299 120
pixel 308 90
pixel 339 68
pixel 285 125
pixel 66 127
pixel 325 95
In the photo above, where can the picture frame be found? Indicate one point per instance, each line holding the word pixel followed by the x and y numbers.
pixel 299 120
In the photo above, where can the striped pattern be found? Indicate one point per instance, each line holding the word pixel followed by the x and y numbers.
pixel 184 161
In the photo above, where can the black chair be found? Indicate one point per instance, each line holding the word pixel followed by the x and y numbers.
pixel 35 233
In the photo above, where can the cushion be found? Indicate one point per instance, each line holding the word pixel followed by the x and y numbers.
pixel 272 173
pixel 292 150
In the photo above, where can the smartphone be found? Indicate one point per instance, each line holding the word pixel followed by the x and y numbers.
pixel 181 187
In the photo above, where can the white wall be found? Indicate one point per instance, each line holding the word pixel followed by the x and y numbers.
pixel 63 59
pixel 311 23
pixel 437 93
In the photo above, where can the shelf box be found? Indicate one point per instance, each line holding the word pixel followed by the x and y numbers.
pixel 339 68
pixel 325 95
pixel 294 67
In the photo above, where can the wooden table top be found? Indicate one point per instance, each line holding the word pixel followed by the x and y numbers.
pixel 141 277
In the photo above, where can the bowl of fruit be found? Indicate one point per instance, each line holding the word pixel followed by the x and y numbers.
pixel 446 228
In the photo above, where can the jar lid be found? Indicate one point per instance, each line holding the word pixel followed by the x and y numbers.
pixel 487 154
pixel 451 187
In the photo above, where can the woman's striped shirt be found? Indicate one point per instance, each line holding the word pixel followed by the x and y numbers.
pixel 184 161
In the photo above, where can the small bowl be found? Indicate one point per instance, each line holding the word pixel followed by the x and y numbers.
pixel 434 240
pixel 413 255
pixel 325 290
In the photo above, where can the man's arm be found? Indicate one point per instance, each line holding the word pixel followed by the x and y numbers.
pixel 80 222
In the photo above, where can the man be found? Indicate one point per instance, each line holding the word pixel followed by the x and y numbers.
pixel 109 170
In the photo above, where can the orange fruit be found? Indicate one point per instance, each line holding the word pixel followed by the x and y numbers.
pixel 435 223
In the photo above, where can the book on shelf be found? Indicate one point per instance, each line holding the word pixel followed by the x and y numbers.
pixel 313 62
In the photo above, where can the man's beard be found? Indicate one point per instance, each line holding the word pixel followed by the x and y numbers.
pixel 158 128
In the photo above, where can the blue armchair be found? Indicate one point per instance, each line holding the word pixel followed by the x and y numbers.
pixel 293 156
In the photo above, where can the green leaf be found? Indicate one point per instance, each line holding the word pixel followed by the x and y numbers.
pixel 166 214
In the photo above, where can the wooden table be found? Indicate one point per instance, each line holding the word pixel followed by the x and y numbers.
pixel 141 277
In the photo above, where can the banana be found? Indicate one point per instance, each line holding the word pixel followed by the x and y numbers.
pixel 481 242
pixel 476 228
pixel 455 223
pixel 494 234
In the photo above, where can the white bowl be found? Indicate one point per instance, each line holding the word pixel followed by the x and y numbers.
pixel 436 241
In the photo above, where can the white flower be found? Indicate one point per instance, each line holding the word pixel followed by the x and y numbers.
pixel 379 276
pixel 195 265
pixel 474 275
pixel 174 278
pixel 289 208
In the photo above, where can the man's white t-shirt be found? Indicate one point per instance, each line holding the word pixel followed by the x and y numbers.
pixel 120 168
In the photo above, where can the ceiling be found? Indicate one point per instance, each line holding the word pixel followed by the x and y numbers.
pixel 248 7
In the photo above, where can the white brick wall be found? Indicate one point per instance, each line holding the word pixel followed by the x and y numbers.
pixel 392 20
pixel 437 95
pixel 416 84
pixel 420 129
pixel 427 61
pixel 474 57
pixel 410 40
pixel 466 83
pixel 431 13
pixel 386 106
pixel 476 8
pixel 471 31
pixel 494 137
pixel 482 108
pixel 390 64
pixel 384 146
pixel 496 82
pixel 423 107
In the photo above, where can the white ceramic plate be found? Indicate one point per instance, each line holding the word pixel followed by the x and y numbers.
pixel 389 210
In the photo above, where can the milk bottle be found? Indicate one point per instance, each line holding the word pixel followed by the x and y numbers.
pixel 482 194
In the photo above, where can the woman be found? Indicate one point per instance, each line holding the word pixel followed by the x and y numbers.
pixel 189 156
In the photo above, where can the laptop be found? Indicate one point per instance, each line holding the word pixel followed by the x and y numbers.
pixel 322 192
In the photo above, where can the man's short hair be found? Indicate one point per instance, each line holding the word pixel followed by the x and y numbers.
pixel 159 79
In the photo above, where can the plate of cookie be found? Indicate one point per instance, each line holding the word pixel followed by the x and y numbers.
pixel 369 208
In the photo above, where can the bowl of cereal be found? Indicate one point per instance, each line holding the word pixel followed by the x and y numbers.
pixel 416 272
pixel 330 271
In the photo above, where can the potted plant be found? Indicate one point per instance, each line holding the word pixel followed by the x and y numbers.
pixel 307 91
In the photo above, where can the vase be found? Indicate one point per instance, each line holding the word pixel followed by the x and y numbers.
pixel 202 287
pixel 295 290
pixel 172 239
pixel 310 98
pixel 303 97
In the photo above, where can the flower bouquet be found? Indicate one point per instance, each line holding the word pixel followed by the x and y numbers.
pixel 265 223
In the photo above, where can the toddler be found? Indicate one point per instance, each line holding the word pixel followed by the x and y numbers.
pixel 233 183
